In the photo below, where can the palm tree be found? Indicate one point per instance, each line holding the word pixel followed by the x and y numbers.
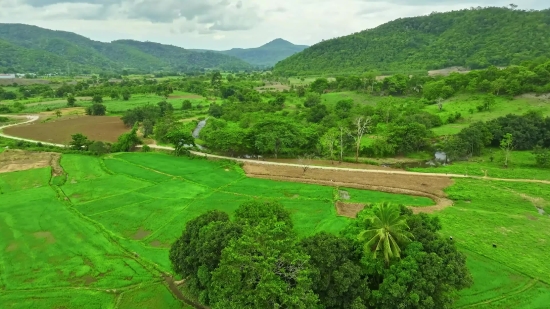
pixel 386 232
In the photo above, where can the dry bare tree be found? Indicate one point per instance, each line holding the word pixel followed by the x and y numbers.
pixel 305 162
pixel 362 125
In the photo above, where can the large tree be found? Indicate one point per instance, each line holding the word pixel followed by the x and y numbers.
pixel 386 232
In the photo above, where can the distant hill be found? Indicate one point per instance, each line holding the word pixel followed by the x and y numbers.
pixel 27 48
pixel 266 55
pixel 473 38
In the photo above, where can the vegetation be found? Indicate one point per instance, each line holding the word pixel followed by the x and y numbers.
pixel 266 55
pixel 436 41
pixel 27 48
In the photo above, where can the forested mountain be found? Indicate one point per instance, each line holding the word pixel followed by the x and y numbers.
pixel 474 38
pixel 266 55
pixel 23 45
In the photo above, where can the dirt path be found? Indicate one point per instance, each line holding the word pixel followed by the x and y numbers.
pixel 429 185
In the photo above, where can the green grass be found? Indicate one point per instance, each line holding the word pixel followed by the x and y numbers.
pixel 123 211
pixel 333 97
pixel 521 166
pixel 466 105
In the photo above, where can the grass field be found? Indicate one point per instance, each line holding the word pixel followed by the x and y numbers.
pixel 521 166
pixel 466 105
pixel 101 239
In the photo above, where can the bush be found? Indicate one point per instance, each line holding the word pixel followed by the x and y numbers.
pixel 146 148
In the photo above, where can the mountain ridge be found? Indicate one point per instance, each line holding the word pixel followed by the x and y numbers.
pixel 474 38
pixel 86 55
pixel 266 55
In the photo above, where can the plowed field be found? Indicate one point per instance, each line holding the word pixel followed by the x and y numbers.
pixel 97 128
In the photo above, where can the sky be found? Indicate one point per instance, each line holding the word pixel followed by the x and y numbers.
pixel 224 24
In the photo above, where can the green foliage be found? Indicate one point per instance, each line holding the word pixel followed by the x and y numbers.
pixel 97 98
pixel 542 156
pixel 180 139
pixel 386 232
pixel 96 109
pixel 32 49
pixel 99 148
pixel 127 141
pixel 80 142
pixel 71 100
pixel 436 41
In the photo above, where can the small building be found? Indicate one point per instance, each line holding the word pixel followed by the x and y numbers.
pixel 7 76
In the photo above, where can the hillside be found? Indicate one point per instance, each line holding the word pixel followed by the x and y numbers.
pixel 473 38
pixel 62 49
pixel 266 55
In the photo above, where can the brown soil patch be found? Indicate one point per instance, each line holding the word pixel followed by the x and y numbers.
pixel 187 96
pixel 23 81
pixel 13 160
pixel 45 235
pixel 273 87
pixel 416 185
pixel 97 128
pixel 12 247
pixel 349 210
pixel 432 185
pixel 141 234
pixel 532 218
pixel 316 162
pixel 537 201
pixel 158 244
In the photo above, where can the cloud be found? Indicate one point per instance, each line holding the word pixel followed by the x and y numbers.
pixel 224 24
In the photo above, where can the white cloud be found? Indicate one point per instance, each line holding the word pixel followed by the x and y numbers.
pixel 223 24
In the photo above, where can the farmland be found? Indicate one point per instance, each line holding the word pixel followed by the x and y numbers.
pixel 119 214
pixel 101 128
pixel 102 235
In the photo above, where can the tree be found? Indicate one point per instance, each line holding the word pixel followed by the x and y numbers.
pixel 58 113
pixel 489 101
pixel 328 141
pixel 96 110
pixel 216 80
pixel 180 138
pixel 542 156
pixel 275 136
pixel 71 100
pixel 507 145
pixel 312 100
pixel 386 232
pixel 126 95
pixel 198 251
pixel 97 98
pixel 264 268
pixel 127 141
pixel 186 105
pixel 79 142
pixel 338 277
pixel 362 126
pixel 99 148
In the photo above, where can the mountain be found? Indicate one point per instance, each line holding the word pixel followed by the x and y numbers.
pixel 266 55
pixel 22 45
pixel 474 38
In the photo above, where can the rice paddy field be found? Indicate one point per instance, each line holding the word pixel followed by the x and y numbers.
pixel 99 236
